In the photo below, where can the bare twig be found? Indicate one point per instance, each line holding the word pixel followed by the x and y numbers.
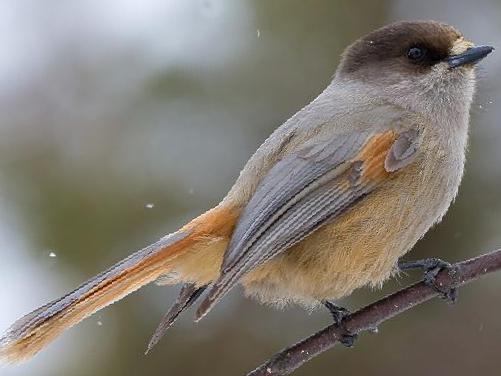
pixel 369 317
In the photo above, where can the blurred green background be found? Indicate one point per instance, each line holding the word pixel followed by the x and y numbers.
pixel 121 120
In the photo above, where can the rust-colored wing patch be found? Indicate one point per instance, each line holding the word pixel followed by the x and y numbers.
pixel 373 156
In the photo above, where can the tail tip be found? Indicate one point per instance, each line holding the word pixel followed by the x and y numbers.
pixel 16 347
pixel 148 349
pixel 9 352
pixel 204 308
pixel 5 345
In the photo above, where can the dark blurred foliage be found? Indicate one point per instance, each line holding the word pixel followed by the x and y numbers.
pixel 112 106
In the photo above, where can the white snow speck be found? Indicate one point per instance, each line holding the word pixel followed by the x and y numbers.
pixel 52 254
pixel 149 205
pixel 99 323
pixel 258 33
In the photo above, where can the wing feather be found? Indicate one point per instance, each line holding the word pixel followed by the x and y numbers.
pixel 305 191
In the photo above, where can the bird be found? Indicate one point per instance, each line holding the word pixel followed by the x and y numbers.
pixel 328 204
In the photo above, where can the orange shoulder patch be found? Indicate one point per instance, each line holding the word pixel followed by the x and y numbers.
pixel 373 155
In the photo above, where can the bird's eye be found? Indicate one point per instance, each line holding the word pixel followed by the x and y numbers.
pixel 416 53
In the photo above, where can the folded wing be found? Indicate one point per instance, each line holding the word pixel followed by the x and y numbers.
pixel 303 192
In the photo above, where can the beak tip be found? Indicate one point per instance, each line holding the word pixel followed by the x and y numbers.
pixel 470 56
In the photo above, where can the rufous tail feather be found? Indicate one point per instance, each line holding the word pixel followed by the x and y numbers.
pixel 28 335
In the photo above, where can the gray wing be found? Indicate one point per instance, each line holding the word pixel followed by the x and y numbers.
pixel 302 192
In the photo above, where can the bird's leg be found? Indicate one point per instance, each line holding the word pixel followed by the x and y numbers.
pixel 339 314
pixel 431 268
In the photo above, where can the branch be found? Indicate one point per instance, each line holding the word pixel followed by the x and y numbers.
pixel 369 317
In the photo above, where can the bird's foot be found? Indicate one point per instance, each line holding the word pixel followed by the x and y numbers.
pixel 339 314
pixel 431 267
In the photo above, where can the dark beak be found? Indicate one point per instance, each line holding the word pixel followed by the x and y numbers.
pixel 470 56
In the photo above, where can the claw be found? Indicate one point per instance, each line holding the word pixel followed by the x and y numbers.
pixel 339 314
pixel 431 267
pixel 348 340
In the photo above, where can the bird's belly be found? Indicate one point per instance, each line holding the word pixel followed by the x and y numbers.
pixel 361 247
